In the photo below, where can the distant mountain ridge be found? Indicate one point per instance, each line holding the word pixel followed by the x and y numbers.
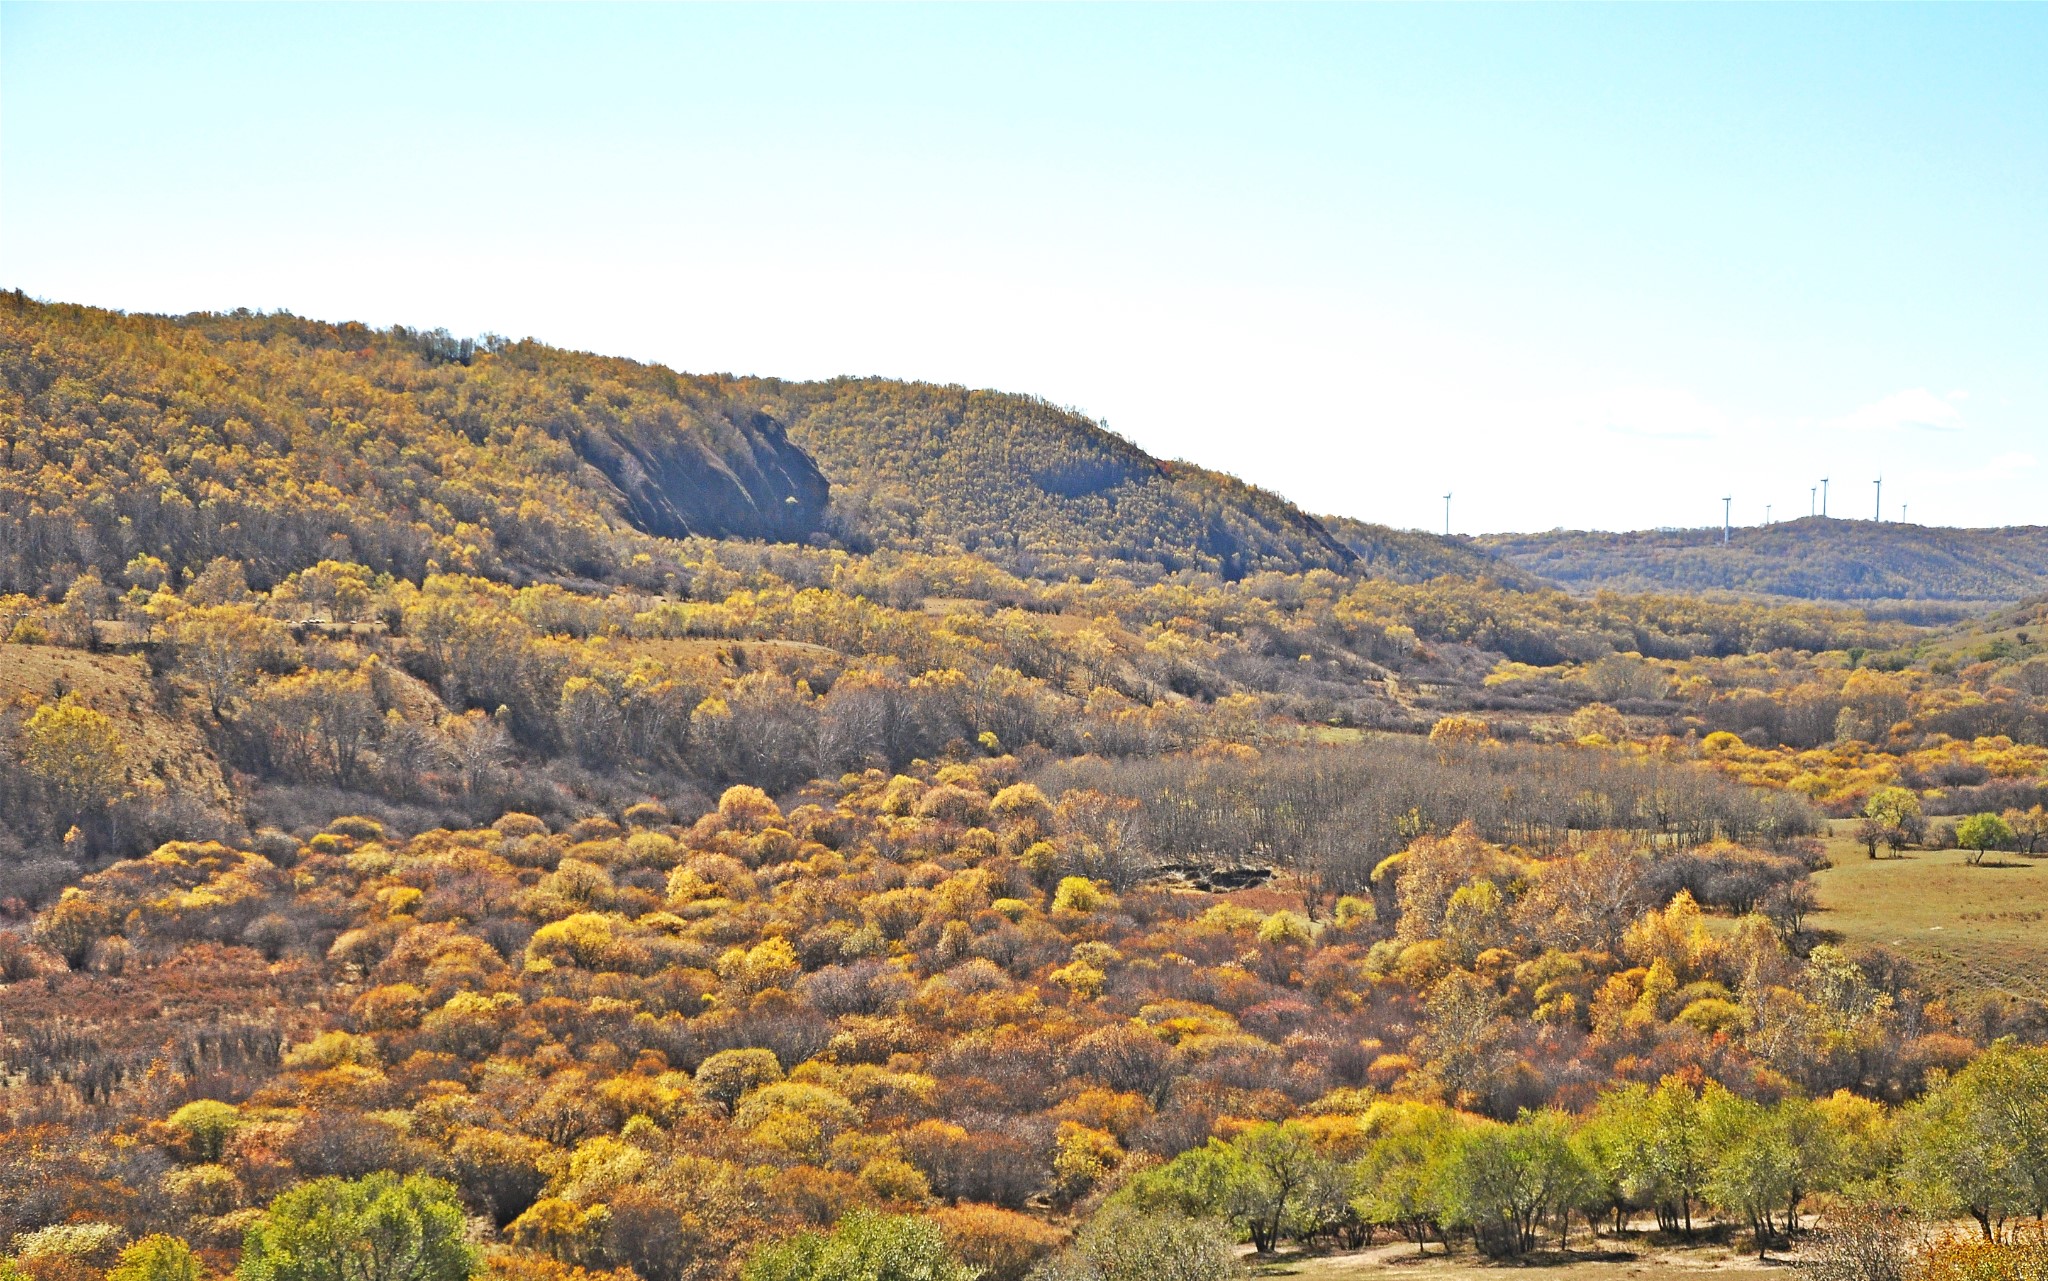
pixel 278 442
pixel 1812 558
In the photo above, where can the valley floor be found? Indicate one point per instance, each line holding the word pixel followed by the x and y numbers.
pixel 1967 929
pixel 1611 1261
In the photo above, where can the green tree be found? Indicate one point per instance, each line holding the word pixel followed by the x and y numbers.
pixel 1891 815
pixel 1259 1182
pixel 1504 1181
pixel 1609 1142
pixel 1197 1184
pixel 1276 1166
pixel 864 1247
pixel 1399 1181
pixel 1820 1147
pixel 156 1258
pixel 1754 1172
pixel 377 1228
pixel 1978 1142
pixel 1981 832
pixel 205 1126
pixel 1122 1243
pixel 1676 1152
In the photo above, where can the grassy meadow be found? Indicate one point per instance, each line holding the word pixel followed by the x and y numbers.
pixel 1968 929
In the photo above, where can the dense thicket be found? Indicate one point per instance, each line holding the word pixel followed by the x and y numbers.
pixel 642 1043
pixel 411 855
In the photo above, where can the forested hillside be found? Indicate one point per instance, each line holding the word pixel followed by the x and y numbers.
pixel 399 448
pixel 279 442
pixel 1034 487
pixel 1811 558
pixel 1412 555
pixel 1032 860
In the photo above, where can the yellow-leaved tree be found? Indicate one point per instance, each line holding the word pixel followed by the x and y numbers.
pixel 74 756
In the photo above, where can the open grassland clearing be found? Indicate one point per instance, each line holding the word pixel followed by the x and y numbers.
pixel 1969 929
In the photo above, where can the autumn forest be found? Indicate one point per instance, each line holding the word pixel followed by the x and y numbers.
pixel 474 809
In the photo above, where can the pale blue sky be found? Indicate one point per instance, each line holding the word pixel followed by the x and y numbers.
pixel 1593 266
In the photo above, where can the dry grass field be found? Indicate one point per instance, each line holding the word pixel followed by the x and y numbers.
pixel 1625 1261
pixel 1968 929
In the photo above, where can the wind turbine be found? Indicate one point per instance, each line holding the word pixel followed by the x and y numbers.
pixel 1447 515
pixel 1878 515
pixel 1823 496
pixel 1812 500
pixel 1767 513
pixel 1724 519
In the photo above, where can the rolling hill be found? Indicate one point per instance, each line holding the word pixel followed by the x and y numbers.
pixel 1814 558
pixel 1033 486
pixel 278 441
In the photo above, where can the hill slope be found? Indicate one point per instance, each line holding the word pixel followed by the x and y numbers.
pixel 1412 555
pixel 278 441
pixel 1039 488
pixel 1812 558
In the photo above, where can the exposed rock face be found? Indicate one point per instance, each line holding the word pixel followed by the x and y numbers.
pixel 733 474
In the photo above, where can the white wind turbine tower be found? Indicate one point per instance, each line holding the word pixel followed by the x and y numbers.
pixel 1823 495
pixel 1724 519
pixel 1447 515
pixel 1879 515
